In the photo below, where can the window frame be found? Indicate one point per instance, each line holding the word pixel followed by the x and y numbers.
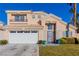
pixel 26 31
pixel 34 31
pixel 50 27
pixel 39 16
pixel 19 31
pixel 20 18
pixel 12 31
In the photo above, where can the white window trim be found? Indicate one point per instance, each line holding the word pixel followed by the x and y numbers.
pixel 19 22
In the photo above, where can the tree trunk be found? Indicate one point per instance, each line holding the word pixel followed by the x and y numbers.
pixel 75 20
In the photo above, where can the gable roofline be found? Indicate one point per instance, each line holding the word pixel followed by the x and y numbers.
pixel 63 22
pixel 42 12
pixel 16 11
pixel 58 18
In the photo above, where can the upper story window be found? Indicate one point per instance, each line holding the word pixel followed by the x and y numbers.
pixel 39 16
pixel 36 16
pixel 49 26
pixel 20 18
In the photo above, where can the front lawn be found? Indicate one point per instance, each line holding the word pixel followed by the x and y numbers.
pixel 61 50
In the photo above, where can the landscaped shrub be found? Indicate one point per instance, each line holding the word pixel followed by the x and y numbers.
pixel 41 42
pixel 57 41
pixel 77 41
pixel 3 42
pixel 68 40
pixel 63 41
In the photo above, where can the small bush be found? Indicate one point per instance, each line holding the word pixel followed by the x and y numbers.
pixel 41 42
pixel 67 40
pixel 63 41
pixel 57 41
pixel 3 42
pixel 78 41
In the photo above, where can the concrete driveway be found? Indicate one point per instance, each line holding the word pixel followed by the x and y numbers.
pixel 19 50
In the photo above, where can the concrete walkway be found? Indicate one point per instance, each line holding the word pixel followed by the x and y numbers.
pixel 19 50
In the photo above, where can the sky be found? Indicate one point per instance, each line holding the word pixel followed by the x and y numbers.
pixel 59 9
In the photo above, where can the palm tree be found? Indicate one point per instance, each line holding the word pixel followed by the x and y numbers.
pixel 74 18
pixel 75 15
pixel 74 12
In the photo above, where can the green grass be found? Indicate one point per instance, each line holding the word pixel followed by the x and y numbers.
pixel 61 50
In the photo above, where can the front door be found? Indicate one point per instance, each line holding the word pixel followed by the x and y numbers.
pixel 51 33
pixel 50 37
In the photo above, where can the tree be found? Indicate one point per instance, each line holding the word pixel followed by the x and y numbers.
pixel 74 12
pixel 75 17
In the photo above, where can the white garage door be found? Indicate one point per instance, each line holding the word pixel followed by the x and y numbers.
pixel 23 37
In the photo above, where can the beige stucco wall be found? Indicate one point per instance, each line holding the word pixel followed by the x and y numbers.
pixel 77 35
pixel 3 35
pixel 60 29
pixel 30 21
pixel 60 26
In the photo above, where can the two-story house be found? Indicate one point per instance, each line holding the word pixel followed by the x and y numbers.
pixel 30 27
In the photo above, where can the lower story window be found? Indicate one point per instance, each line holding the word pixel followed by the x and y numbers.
pixel 23 31
pixel 19 31
pixel 34 31
pixel 26 31
pixel 65 33
pixel 12 31
pixel 70 33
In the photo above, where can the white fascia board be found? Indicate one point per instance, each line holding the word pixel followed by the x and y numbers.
pixel 11 11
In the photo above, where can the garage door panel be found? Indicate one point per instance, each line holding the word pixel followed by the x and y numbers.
pixel 23 37
pixel 15 38
pixel 34 37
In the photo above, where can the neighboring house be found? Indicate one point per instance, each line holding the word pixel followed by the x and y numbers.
pixel 30 27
